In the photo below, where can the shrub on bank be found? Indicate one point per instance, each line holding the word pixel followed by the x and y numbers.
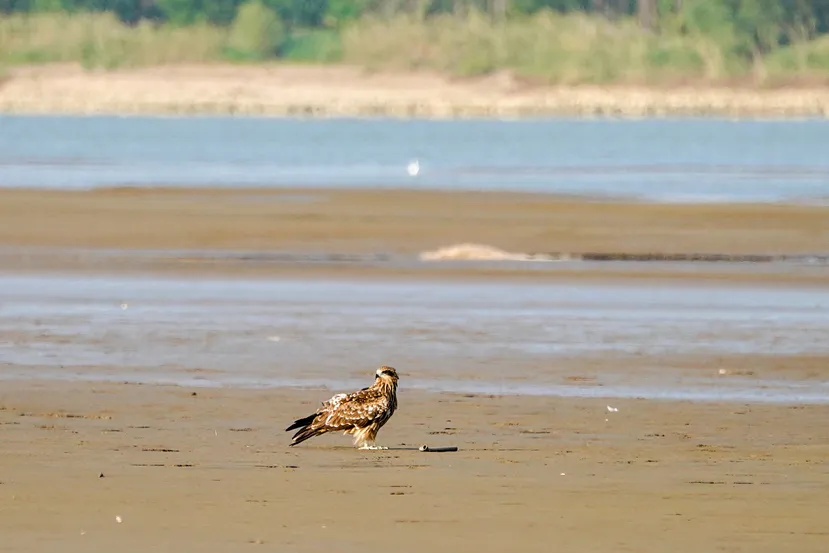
pixel 256 34
pixel 102 41
pixel 547 47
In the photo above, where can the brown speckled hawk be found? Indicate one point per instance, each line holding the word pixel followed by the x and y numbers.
pixel 360 414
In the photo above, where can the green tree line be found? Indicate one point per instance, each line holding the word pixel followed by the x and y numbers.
pixel 556 40
pixel 763 23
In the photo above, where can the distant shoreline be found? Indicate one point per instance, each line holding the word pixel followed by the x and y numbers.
pixel 342 91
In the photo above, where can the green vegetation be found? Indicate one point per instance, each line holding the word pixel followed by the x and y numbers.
pixel 555 41
pixel 256 33
pixel 101 41
pixel 571 48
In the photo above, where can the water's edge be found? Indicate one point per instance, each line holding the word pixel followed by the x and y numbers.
pixel 482 338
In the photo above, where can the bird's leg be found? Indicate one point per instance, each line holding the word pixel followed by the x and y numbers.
pixel 369 444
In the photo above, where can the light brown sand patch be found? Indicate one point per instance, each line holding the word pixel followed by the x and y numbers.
pixel 398 221
pixel 279 90
pixel 67 231
pixel 209 470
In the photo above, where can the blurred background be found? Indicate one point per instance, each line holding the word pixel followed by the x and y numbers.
pixel 512 196
pixel 769 42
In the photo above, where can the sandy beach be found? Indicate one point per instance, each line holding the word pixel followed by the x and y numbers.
pixel 221 283
pixel 307 91
pixel 210 470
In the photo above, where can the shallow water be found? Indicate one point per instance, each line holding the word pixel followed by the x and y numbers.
pixel 654 160
pixel 472 338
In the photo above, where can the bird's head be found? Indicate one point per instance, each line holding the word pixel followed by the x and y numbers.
pixel 388 374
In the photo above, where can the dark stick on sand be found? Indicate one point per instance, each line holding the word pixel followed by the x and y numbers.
pixel 428 449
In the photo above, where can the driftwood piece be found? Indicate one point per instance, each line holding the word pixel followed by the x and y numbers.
pixel 428 449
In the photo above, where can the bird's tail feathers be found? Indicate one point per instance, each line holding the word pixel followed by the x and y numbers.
pixel 301 423
pixel 306 430
pixel 306 433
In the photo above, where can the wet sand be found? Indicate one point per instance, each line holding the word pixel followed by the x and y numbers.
pixel 210 470
pixel 307 91
pixel 199 468
pixel 558 339
pixel 230 231
pixel 399 221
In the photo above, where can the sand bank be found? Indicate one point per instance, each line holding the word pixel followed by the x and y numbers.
pixel 284 90
pixel 210 470
pixel 361 232
pixel 397 221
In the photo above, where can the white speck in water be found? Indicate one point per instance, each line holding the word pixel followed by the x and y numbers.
pixel 118 519
pixel 722 371
pixel 273 338
pixel 562 474
pixel 413 168
pixel 124 306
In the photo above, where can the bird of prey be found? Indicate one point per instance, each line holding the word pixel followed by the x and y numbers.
pixel 360 413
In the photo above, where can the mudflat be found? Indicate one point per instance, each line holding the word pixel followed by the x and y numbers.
pixel 401 221
pixel 94 467
pixel 52 230
pixel 100 466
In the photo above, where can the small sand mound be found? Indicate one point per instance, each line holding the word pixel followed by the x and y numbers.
pixel 473 252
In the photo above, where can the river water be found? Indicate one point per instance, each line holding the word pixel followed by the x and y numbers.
pixel 704 160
